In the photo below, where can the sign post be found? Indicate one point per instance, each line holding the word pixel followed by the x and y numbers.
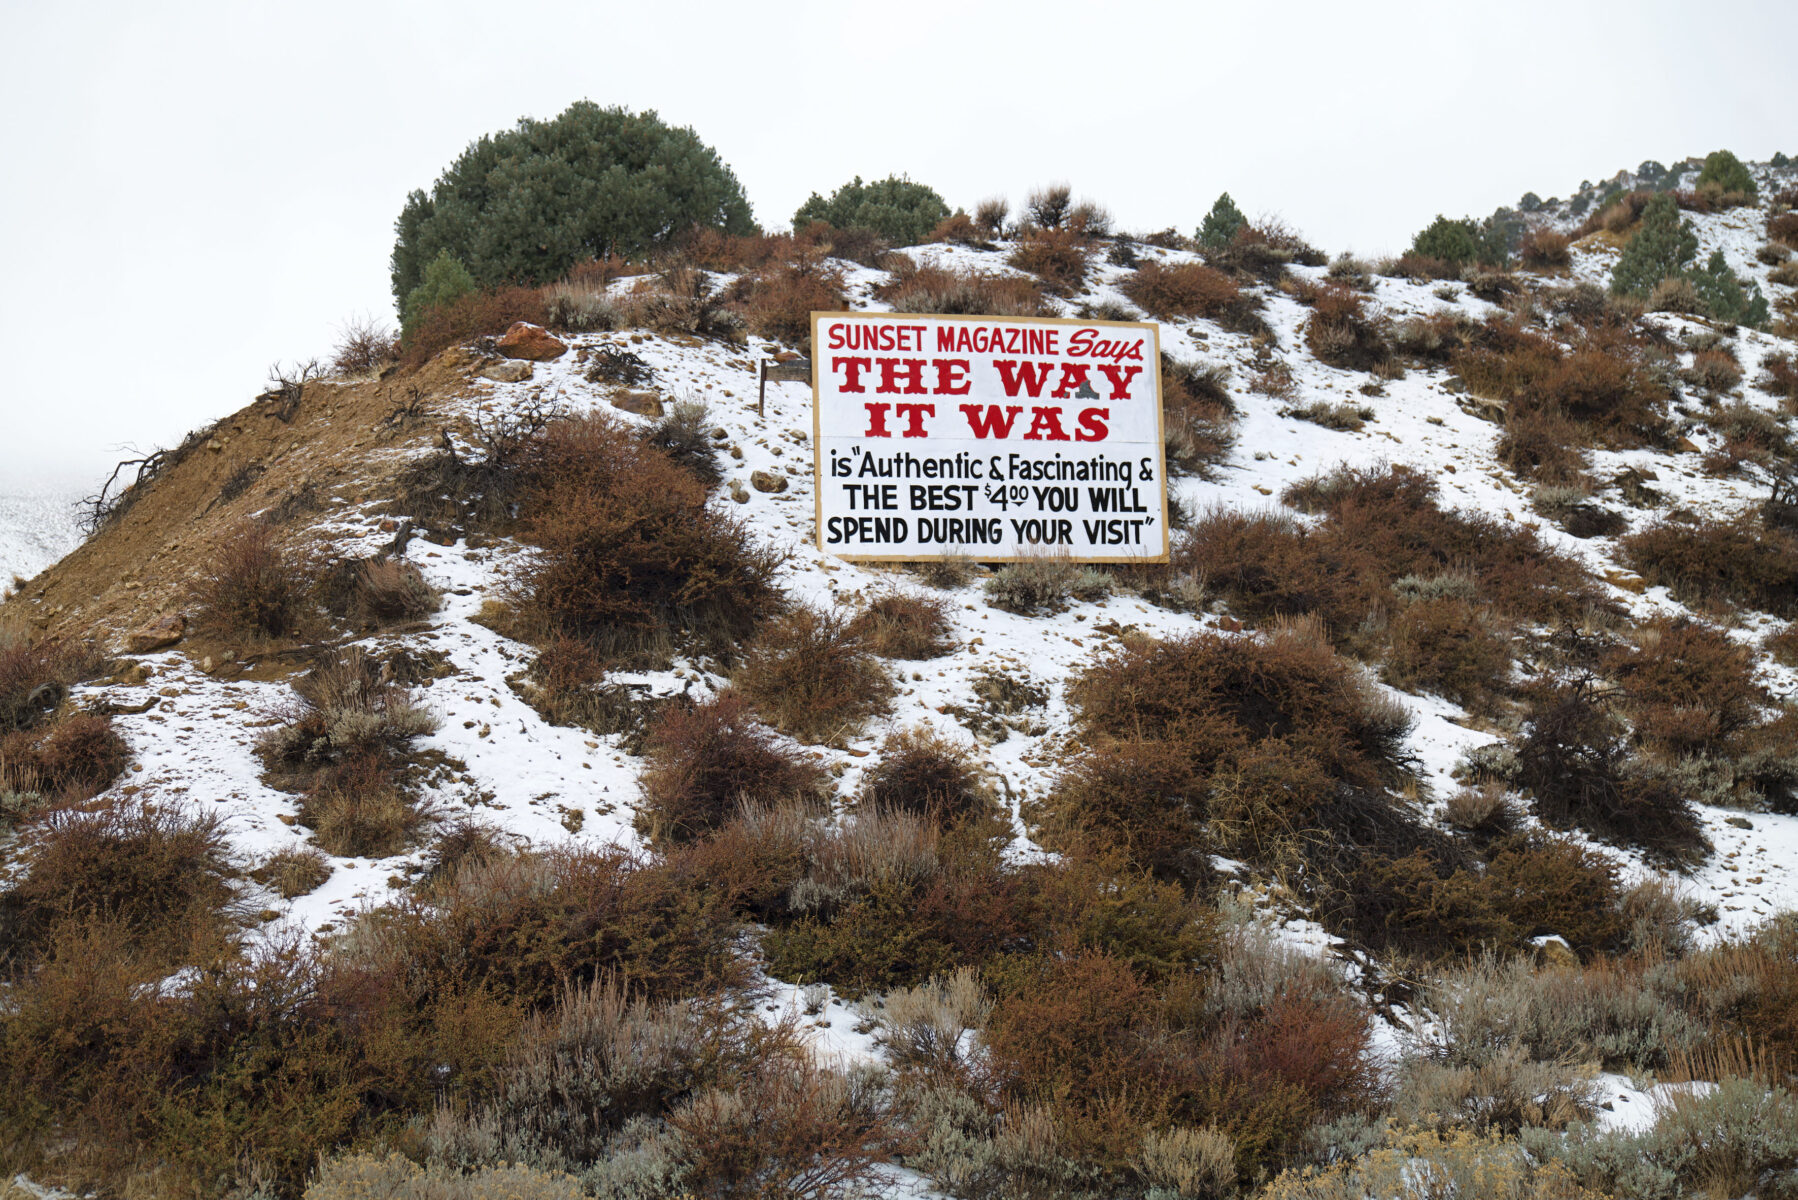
pixel 995 438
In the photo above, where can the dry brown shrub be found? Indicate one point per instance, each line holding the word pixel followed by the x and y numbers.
pixel 389 591
pixel 630 555
pixel 162 875
pixel 1735 560
pixel 67 760
pixel 1058 257
pixel 707 762
pixel 778 301
pixel 810 674
pixel 1783 228
pixel 1221 698
pixel 755 859
pixel 360 813
pixel 1713 370
pixel 791 1128
pixel 583 913
pixel 960 291
pixel 908 626
pixel 1604 386
pixel 733 254
pixel 1486 811
pixel 960 228
pixel 255 587
pixel 1572 761
pixel 1140 798
pixel 290 873
pixel 364 346
pixel 477 314
pixel 1383 524
pixel 888 901
pixel 1782 644
pixel 1447 646
pixel 1688 689
pixel 1087 1043
pixel 345 744
pixel 1546 250
pixel 1343 333
pixel 1779 377
pixel 35 675
pixel 922 773
pixel 1543 445
pixel 1198 416
pixel 1186 289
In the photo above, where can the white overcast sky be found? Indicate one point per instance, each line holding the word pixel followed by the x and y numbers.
pixel 193 191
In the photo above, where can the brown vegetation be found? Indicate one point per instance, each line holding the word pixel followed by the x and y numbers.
pixel 1736 560
pixel 960 291
pixel 630 556
pixel 813 675
pixel 255 587
pixel 905 625
pixel 707 762
pixel 478 314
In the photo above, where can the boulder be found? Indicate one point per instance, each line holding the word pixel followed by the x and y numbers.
pixel 507 370
pixel 528 341
pixel 164 631
pixel 767 481
pixel 644 404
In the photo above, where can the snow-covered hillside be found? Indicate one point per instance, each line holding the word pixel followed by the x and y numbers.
pixel 323 466
pixel 36 529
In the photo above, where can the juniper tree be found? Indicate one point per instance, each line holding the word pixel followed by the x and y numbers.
pixel 525 204
pixel 1727 172
pixel 1454 242
pixel 445 280
pixel 1662 246
pixel 1221 223
pixel 899 210
pixel 1723 296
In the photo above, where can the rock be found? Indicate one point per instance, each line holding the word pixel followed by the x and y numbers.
pixel 131 674
pixel 738 492
pixel 767 481
pixel 164 631
pixel 644 404
pixel 506 370
pixel 525 340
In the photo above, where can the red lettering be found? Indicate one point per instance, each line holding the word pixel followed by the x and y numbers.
pixel 1073 375
pixel 877 418
pixel 1045 419
pixel 951 376
pixel 836 337
pixel 852 369
pixel 1092 425
pixel 891 369
pixel 1031 375
pixel 1120 379
pixel 987 420
pixel 945 336
pixel 914 415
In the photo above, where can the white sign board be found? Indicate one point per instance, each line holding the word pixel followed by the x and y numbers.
pixel 991 438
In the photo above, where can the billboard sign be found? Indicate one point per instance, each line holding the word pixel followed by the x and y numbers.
pixel 992 438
